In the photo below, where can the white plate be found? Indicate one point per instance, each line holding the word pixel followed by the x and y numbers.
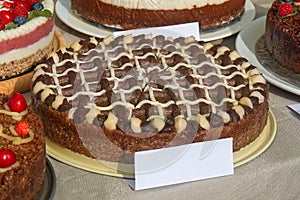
pixel 63 11
pixel 245 45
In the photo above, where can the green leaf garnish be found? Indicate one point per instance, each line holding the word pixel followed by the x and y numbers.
pixel 11 25
pixel 39 13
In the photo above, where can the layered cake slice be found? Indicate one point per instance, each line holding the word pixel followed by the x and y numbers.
pixel 108 98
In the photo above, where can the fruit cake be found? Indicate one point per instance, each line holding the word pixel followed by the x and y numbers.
pixel 22 149
pixel 282 38
pixel 133 14
pixel 108 98
pixel 26 34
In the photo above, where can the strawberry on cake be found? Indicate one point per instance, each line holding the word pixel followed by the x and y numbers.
pixel 26 34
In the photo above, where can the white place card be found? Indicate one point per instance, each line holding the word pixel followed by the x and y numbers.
pixel 295 107
pixel 192 162
pixel 186 163
pixel 181 30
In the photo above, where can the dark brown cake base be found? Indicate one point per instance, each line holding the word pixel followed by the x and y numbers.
pixel 117 146
pixel 25 180
pixel 282 38
pixel 120 17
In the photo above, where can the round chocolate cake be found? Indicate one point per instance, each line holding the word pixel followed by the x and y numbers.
pixel 108 98
pixel 22 150
pixel 132 14
pixel 282 37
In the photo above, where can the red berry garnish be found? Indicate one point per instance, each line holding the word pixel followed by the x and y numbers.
pixel 31 2
pixel 16 102
pixel 19 10
pixel 8 4
pixel 285 9
pixel 22 128
pixel 2 25
pixel 7 158
pixel 6 16
pixel 24 4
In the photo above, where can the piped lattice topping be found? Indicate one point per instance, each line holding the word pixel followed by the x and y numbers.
pixel 149 84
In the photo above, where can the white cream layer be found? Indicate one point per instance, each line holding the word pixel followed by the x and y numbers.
pixel 163 4
pixel 21 53
pixel 29 26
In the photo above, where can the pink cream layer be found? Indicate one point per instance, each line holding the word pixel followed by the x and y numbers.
pixel 27 39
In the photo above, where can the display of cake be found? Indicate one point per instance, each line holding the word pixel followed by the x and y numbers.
pixel 22 149
pixel 133 14
pixel 282 38
pixel 108 98
pixel 26 34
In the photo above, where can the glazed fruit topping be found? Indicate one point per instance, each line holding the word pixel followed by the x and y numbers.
pixel 17 103
pixel 12 9
pixel 25 4
pixel 6 16
pixel 22 128
pixel 20 10
pixel 285 9
pixel 2 25
pixel 20 20
pixel 7 158
pixel 8 4
pixel 37 6
pixel 31 2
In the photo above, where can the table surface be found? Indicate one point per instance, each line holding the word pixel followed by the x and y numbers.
pixel 275 174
